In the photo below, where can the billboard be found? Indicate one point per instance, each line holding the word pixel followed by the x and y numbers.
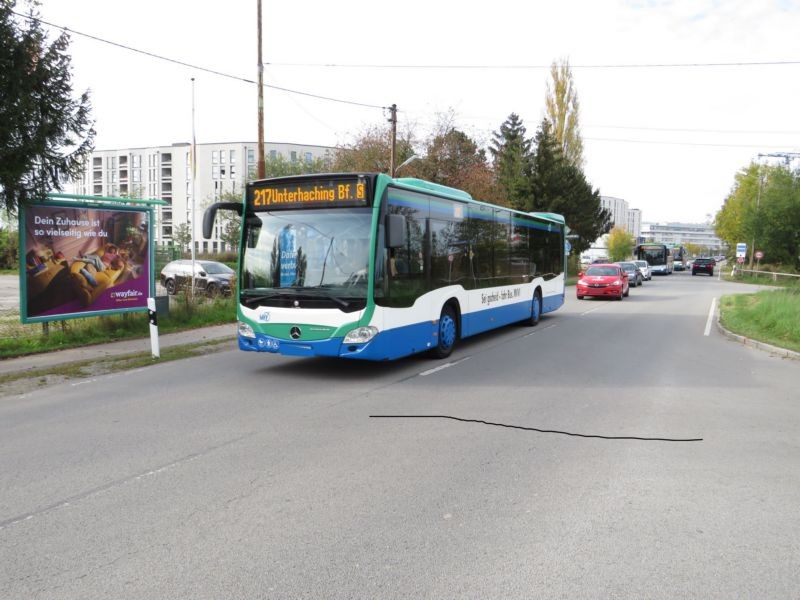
pixel 84 260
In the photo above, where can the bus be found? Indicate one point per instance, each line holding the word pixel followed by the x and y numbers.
pixel 658 255
pixel 365 266
pixel 679 256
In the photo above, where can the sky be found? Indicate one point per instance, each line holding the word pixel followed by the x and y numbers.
pixel 671 104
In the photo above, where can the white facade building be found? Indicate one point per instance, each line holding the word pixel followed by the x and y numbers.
pixel 701 234
pixel 165 173
pixel 622 216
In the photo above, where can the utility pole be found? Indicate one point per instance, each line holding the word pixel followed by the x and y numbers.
pixel 262 167
pixel 756 223
pixel 393 121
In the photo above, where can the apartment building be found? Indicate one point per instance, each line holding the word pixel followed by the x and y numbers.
pixel 165 173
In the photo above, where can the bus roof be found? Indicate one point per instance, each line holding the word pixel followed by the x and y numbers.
pixel 435 187
pixel 462 195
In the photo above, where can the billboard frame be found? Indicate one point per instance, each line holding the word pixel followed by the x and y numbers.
pixel 73 202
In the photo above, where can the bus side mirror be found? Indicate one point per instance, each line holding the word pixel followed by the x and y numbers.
pixel 395 231
pixel 211 213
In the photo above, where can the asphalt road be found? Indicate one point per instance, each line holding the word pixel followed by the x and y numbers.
pixel 237 475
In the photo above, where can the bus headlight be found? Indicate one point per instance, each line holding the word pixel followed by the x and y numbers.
pixel 361 335
pixel 246 331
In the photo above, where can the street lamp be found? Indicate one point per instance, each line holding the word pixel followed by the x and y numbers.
pixel 410 159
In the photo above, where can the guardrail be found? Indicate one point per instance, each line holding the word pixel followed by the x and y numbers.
pixel 774 275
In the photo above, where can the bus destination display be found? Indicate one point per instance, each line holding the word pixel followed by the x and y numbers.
pixel 308 194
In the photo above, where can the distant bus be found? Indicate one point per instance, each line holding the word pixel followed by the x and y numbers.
pixel 659 256
pixel 370 267
pixel 679 256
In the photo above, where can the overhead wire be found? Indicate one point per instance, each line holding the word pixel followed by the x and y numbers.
pixel 457 67
pixel 193 66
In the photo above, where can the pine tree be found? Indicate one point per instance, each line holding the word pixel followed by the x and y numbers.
pixel 511 157
pixel 45 134
pixel 561 187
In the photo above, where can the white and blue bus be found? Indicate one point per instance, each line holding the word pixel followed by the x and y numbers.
pixel 366 266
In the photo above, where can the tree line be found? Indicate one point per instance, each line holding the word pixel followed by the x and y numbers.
pixel 763 211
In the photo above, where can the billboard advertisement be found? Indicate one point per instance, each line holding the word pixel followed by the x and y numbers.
pixel 83 260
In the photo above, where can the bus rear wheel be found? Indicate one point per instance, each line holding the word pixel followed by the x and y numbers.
pixel 536 309
pixel 448 332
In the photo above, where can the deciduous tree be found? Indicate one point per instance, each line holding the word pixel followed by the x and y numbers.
pixel 620 244
pixel 563 112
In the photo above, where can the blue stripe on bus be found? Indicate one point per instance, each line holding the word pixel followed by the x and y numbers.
pixel 400 341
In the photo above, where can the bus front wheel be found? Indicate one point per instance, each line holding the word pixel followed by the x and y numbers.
pixel 448 332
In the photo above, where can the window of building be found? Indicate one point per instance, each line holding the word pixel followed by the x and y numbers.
pixel 293 156
pixel 233 156
pixel 308 157
pixel 273 154
pixel 233 171
pixel 223 156
pixel 214 157
pixel 215 172
pixel 166 157
pixel 137 161
pixel 166 231
pixel 251 155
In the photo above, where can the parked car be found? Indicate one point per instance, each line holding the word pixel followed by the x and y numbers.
pixel 211 277
pixel 703 265
pixel 635 278
pixel 604 280
pixel 644 269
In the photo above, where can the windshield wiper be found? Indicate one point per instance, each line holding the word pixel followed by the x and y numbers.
pixel 295 294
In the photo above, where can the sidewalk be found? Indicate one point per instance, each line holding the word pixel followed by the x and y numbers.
pixel 100 351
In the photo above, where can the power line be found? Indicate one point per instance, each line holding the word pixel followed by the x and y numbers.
pixel 689 130
pixel 592 139
pixel 535 67
pixel 192 66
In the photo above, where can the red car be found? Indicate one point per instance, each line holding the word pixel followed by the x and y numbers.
pixel 603 280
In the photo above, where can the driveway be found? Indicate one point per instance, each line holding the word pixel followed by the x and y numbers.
pixel 9 292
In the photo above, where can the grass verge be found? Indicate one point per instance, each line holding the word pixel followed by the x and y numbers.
pixel 17 339
pixel 769 316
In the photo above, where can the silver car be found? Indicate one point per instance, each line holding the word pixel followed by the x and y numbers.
pixel 644 269
pixel 211 277
pixel 634 274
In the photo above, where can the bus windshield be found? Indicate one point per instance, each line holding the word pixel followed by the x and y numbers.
pixel 306 252
pixel 655 255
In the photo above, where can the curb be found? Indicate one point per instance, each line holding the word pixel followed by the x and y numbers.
pixel 746 341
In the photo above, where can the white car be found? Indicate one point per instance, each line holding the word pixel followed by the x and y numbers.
pixel 644 268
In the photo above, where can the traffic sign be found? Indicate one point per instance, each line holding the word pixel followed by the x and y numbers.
pixel 741 250
pixel 759 255
pixel 740 259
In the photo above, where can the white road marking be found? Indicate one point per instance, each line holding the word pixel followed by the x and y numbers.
pixel 439 368
pixel 590 311
pixel 710 319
